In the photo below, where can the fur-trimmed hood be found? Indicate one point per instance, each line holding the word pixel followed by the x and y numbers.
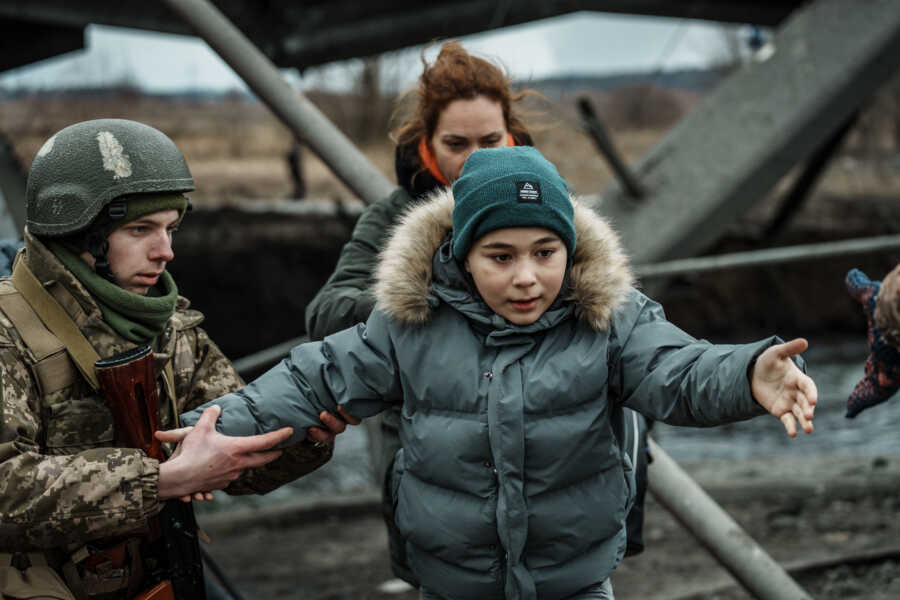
pixel 599 279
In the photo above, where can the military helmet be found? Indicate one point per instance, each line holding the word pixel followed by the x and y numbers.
pixel 85 166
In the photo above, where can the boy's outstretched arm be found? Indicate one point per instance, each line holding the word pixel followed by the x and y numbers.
pixel 780 387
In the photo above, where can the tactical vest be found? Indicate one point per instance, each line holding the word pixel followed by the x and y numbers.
pixel 55 369
pixel 74 415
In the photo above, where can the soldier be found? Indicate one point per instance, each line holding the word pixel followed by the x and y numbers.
pixel 104 200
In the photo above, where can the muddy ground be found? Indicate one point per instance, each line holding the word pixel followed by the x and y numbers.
pixel 832 522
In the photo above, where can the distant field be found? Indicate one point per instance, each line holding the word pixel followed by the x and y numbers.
pixel 237 149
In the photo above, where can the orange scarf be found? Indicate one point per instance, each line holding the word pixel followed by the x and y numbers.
pixel 429 162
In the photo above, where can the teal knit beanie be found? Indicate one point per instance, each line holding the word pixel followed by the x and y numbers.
pixel 513 186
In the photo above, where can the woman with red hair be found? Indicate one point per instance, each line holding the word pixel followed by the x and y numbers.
pixel 462 103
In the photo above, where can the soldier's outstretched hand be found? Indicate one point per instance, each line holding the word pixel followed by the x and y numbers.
pixel 782 388
pixel 206 460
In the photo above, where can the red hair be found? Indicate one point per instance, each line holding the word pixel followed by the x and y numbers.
pixel 456 74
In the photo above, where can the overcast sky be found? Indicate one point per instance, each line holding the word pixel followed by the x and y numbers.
pixel 589 43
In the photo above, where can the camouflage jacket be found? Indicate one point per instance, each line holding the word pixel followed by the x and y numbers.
pixel 62 481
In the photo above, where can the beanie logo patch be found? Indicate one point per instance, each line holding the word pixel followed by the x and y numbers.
pixel 529 191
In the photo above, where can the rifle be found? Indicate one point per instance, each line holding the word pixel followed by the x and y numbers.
pixel 173 560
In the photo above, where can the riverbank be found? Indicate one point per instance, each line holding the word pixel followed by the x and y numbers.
pixel 812 514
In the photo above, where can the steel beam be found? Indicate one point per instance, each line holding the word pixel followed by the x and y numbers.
pixel 302 33
pixel 727 541
pixel 730 151
pixel 142 15
pixel 604 143
pixel 293 108
pixel 768 256
pixel 20 47
pixel 386 26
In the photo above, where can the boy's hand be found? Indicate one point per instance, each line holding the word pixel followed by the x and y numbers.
pixel 782 388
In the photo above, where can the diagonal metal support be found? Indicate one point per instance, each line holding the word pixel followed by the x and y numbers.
pixel 811 173
pixel 727 541
pixel 293 108
pixel 829 58
pixel 601 138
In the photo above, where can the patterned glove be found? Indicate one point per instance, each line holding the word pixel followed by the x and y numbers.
pixel 882 376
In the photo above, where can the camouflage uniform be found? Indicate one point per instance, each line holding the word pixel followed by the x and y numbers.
pixel 70 500
pixel 62 483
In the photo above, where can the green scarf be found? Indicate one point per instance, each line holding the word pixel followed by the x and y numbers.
pixel 136 318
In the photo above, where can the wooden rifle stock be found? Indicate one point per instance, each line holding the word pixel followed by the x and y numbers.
pixel 128 382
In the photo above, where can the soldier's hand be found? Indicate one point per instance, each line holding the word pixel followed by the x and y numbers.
pixel 175 436
pixel 335 425
pixel 206 460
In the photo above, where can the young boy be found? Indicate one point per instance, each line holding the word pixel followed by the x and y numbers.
pixel 507 322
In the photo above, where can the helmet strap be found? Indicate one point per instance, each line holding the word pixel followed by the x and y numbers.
pixel 98 246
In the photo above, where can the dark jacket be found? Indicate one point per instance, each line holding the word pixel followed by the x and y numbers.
pixel 510 483
pixel 346 297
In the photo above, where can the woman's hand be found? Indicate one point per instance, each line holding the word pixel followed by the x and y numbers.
pixel 782 388
pixel 335 425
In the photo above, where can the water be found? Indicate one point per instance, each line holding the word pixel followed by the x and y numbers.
pixel 835 365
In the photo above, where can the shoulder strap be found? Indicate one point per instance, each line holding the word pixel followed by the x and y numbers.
pixel 169 378
pixel 38 338
pixel 50 363
pixel 56 319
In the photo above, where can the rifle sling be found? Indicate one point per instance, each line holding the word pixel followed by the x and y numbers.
pixel 57 320
pixel 169 379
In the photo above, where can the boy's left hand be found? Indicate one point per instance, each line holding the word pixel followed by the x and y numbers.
pixel 782 388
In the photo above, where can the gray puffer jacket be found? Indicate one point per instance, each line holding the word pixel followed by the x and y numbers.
pixel 510 483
